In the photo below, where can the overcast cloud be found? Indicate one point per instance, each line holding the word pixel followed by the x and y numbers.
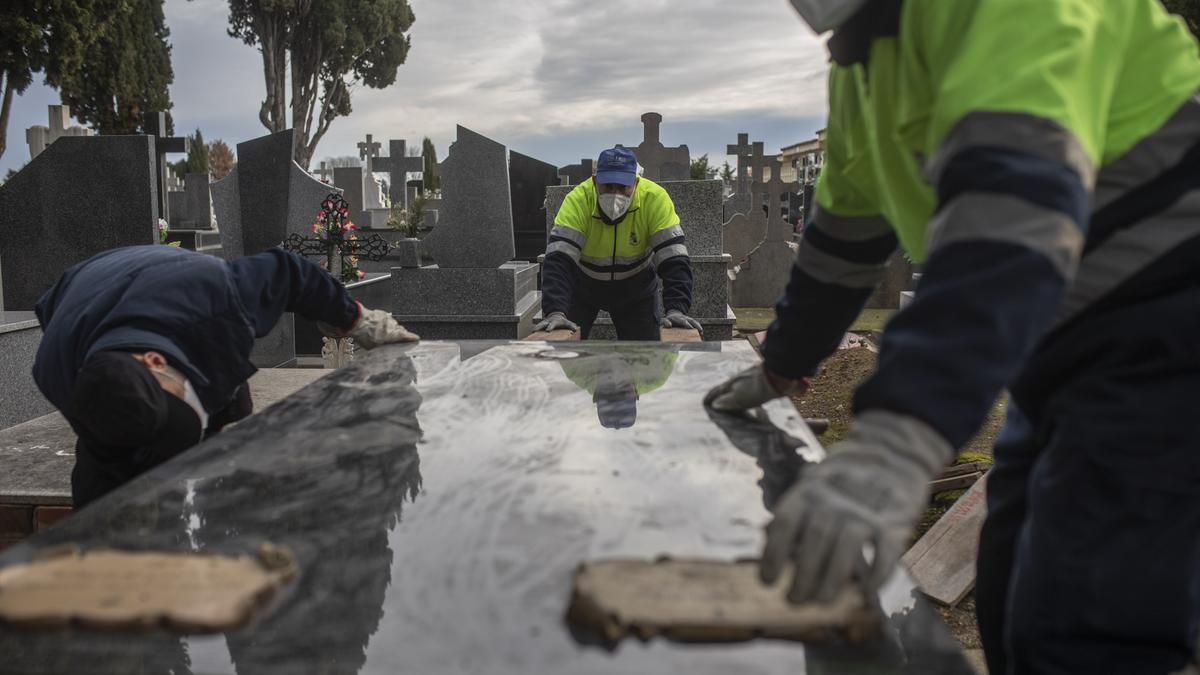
pixel 557 79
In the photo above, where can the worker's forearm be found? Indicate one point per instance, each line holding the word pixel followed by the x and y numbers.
pixel 677 280
pixel 841 261
pixel 559 279
pixel 276 281
pixel 1005 243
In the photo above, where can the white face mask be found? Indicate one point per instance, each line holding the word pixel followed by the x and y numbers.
pixel 825 15
pixel 193 400
pixel 614 205
pixel 189 396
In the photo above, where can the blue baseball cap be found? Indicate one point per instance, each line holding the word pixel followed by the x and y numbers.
pixel 618 165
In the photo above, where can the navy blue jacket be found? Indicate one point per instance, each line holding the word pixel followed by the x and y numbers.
pixel 200 312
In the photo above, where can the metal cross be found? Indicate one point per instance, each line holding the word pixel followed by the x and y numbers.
pixel 337 242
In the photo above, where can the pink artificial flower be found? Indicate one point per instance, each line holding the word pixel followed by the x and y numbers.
pixel 361 274
pixel 320 215
pixel 316 227
pixel 351 226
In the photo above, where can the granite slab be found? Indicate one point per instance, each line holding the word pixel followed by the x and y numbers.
pixel 438 498
pixel 462 291
pixel 36 456
pixel 511 326
pixel 17 320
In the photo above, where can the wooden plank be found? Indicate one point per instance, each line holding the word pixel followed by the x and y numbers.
pixel 562 335
pixel 964 469
pixel 681 335
pixel 954 483
pixel 943 561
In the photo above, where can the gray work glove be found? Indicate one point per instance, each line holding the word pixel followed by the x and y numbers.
pixel 677 319
pixel 872 490
pixel 556 321
pixel 751 388
pixel 374 327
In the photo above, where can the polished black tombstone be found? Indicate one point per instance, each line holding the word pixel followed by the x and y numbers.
pixel 528 179
pixel 438 498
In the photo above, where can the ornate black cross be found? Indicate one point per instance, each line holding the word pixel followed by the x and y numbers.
pixel 337 241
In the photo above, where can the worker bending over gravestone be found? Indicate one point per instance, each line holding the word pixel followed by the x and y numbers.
pixel 615 237
pixel 1041 158
pixel 146 349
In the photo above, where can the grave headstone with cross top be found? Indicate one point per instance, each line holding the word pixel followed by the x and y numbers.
pixel 40 137
pixel 397 165
pixel 763 275
pixel 155 125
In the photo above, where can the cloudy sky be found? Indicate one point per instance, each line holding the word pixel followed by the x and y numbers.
pixel 555 79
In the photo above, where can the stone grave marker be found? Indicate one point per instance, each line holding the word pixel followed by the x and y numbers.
pixel 155 125
pixel 39 138
pixel 397 165
pixel 476 290
pixel 266 198
pixel 529 178
pixel 475 223
pixel 350 180
pixel 660 163
pixel 739 201
pixel 760 280
pixel 81 196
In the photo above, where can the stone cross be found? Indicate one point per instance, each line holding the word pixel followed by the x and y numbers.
pixel 326 172
pixel 368 150
pixel 773 191
pixel 397 165
pixel 39 137
pixel 742 151
pixel 155 124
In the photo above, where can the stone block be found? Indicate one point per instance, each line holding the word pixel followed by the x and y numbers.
pixel 83 195
pixel 263 173
pixel 515 326
pixel 475 223
pixel 228 208
pixel 20 399
pixel 462 291
pixel 763 278
pixel 176 209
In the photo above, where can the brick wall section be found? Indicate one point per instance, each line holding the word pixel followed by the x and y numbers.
pixel 20 521
pixel 16 523
pixel 45 516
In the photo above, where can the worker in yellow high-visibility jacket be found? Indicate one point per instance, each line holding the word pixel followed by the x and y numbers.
pixel 1042 159
pixel 615 237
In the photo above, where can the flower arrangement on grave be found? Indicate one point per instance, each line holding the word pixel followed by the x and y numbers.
pixel 334 228
pixel 164 233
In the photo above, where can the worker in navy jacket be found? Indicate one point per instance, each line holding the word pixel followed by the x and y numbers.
pixel 147 348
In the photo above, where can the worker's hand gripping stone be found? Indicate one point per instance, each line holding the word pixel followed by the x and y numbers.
pixel 869 492
pixel 556 321
pixel 373 328
pixel 751 388
pixel 677 319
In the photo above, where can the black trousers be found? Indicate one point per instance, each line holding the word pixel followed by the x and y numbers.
pixel 100 469
pixel 634 319
pixel 1089 561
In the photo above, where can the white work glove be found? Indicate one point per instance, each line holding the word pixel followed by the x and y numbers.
pixel 751 388
pixel 677 319
pixel 556 321
pixel 374 327
pixel 872 490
